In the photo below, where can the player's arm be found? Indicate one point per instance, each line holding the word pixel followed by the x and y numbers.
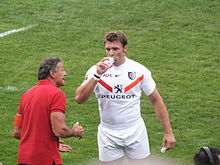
pixel 17 126
pixel 61 130
pixel 162 113
pixel 84 91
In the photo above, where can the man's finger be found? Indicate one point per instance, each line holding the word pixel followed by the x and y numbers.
pixel 61 141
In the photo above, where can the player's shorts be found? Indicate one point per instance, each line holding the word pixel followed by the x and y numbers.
pixel 116 143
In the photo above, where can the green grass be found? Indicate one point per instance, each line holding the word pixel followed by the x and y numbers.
pixel 179 41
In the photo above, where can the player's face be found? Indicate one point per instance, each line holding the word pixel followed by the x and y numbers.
pixel 117 50
pixel 60 74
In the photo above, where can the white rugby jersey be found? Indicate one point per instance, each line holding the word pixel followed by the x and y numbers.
pixel 118 92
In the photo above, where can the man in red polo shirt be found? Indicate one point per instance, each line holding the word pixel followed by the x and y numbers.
pixel 40 120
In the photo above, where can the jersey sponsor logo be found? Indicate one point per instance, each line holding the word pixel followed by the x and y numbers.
pixel 107 75
pixel 132 75
pixel 113 97
pixel 118 88
pixel 117 75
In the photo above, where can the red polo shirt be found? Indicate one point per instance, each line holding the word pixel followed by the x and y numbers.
pixel 38 144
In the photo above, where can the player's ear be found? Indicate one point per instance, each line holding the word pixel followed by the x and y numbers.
pixel 125 48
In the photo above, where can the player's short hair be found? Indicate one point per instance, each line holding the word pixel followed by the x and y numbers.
pixel 207 156
pixel 116 36
pixel 46 66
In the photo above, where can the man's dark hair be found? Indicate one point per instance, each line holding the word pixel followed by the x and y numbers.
pixel 116 36
pixel 46 66
pixel 207 156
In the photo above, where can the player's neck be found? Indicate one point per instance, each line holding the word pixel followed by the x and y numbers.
pixel 120 62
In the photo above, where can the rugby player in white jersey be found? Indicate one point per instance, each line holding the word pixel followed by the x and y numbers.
pixel 118 89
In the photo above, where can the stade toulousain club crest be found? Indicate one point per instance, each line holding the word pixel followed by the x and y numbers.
pixel 132 75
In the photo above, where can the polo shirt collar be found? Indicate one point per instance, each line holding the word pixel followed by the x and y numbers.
pixel 45 82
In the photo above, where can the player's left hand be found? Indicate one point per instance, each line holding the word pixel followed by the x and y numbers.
pixel 64 147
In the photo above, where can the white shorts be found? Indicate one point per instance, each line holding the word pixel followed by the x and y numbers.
pixel 116 143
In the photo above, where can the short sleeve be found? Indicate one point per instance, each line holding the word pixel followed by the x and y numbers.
pixel 89 74
pixel 20 110
pixel 58 102
pixel 148 84
pixel 19 115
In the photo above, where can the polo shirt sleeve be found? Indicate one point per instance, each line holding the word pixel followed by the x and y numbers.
pixel 18 117
pixel 58 102
pixel 20 110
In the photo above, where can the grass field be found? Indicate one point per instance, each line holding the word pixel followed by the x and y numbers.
pixel 178 40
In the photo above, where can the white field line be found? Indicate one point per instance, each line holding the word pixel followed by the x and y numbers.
pixel 9 88
pixel 16 30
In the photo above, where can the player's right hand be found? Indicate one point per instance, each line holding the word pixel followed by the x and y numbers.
pixel 101 66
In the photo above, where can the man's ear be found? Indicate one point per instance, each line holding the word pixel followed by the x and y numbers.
pixel 52 73
pixel 125 48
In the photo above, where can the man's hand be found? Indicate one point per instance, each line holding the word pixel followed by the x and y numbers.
pixel 64 147
pixel 78 130
pixel 169 141
pixel 101 66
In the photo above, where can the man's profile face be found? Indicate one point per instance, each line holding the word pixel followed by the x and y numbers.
pixel 60 74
